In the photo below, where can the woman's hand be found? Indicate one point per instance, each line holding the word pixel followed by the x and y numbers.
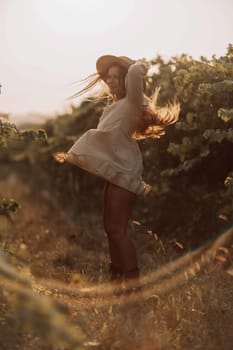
pixel 60 157
pixel 145 63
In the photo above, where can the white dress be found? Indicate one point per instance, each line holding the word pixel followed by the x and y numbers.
pixel 109 151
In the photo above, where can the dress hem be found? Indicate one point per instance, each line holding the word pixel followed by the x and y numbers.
pixel 102 169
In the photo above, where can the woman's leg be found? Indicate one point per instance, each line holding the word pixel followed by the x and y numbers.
pixel 118 204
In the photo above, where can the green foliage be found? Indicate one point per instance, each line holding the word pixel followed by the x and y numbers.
pixel 229 181
pixel 31 135
pixel 8 133
pixel 7 206
pixel 226 114
pixel 195 157
pixel 7 130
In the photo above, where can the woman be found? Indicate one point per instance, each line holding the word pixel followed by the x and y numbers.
pixel 111 151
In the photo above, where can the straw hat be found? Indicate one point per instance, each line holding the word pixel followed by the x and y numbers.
pixel 106 61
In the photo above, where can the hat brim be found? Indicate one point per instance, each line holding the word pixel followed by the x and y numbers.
pixel 105 62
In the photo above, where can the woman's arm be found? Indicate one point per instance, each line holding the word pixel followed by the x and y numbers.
pixel 134 82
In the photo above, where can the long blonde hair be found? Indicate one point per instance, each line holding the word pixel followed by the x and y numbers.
pixel 154 119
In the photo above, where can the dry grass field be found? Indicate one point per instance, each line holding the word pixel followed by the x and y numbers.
pixel 55 294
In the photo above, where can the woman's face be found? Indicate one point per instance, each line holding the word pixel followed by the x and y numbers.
pixel 115 81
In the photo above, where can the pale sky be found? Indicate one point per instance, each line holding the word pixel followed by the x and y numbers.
pixel 45 45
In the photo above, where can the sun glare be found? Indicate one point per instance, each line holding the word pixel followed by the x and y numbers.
pixel 82 17
pixel 47 44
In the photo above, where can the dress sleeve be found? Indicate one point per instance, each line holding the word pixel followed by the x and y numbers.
pixel 134 82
